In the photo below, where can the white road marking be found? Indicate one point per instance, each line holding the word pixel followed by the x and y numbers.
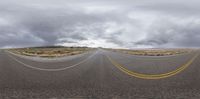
pixel 59 69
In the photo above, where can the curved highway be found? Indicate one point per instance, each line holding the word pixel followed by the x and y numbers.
pixel 100 74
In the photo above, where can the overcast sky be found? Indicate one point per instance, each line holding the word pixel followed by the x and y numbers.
pixel 105 23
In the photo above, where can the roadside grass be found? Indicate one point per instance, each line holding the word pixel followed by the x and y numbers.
pixel 153 52
pixel 50 52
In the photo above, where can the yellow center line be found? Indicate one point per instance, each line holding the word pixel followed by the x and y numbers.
pixel 153 76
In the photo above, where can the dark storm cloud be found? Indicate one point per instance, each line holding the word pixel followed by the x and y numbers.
pixel 177 7
pixel 44 25
pixel 130 23
pixel 172 34
pixel 51 25
pixel 11 37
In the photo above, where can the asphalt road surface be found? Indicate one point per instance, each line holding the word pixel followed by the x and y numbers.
pixel 100 74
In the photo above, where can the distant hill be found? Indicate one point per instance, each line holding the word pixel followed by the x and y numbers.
pixel 48 47
pixel 58 47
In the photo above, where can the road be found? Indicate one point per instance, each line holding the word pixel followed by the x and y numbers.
pixel 100 74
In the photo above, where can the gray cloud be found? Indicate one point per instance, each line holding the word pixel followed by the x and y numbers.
pixel 113 23
pixel 173 34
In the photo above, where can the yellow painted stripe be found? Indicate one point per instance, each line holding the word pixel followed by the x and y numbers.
pixel 153 76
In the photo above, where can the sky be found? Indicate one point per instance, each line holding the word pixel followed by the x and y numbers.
pixel 100 23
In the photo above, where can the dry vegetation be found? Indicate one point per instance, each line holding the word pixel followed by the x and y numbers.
pixel 154 52
pixel 50 52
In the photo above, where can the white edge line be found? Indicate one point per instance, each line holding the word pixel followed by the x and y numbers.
pixel 59 69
